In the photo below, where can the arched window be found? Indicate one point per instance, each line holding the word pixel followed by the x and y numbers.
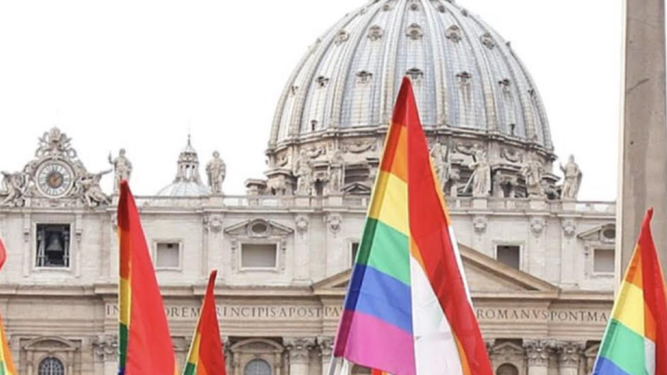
pixel 257 367
pixel 507 369
pixel 51 366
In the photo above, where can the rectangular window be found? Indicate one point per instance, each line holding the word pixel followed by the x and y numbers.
pixel 509 255
pixel 259 256
pixel 53 245
pixel 604 261
pixel 168 255
pixel 354 248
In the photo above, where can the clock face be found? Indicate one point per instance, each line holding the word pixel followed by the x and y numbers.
pixel 54 179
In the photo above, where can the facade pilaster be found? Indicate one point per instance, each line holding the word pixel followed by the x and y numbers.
pixel 325 344
pixel 105 348
pixel 569 357
pixel 298 350
pixel 538 353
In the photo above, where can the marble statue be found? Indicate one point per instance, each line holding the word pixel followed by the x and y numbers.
pixel 336 171
pixel 122 168
pixel 532 172
pixel 15 185
pixel 481 175
pixel 304 174
pixel 216 170
pixel 89 190
pixel 572 181
pixel 440 158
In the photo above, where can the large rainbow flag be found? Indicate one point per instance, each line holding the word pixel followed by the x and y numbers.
pixel 635 342
pixel 6 362
pixel 408 310
pixel 144 342
pixel 206 355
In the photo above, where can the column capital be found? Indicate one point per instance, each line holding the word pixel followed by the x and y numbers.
pixel 538 352
pixel 569 353
pixel 106 347
pixel 299 348
pixel 325 343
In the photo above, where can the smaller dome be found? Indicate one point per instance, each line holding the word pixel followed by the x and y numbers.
pixel 187 182
pixel 184 189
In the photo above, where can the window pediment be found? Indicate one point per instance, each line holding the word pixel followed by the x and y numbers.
pixel 603 233
pixel 259 228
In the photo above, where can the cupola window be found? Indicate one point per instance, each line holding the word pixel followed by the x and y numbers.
pixel 453 33
pixel 415 32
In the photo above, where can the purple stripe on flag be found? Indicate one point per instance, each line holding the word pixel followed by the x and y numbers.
pixel 606 367
pixel 376 344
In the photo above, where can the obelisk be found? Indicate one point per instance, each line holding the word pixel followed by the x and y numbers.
pixel 643 175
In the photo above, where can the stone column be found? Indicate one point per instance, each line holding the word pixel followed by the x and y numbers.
pixel 326 350
pixel 569 356
pixel 643 174
pixel 299 354
pixel 538 353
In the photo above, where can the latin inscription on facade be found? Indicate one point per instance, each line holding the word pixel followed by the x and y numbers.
pixel 233 312
pixel 288 312
pixel 502 314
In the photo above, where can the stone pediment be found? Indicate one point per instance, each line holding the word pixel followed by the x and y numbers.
pixel 357 188
pixel 258 228
pixel 486 277
pixel 603 233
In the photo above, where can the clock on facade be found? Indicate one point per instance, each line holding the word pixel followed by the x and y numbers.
pixel 54 179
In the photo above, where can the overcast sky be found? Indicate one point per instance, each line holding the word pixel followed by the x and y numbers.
pixel 140 74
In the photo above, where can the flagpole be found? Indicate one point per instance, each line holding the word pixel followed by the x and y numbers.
pixel 333 364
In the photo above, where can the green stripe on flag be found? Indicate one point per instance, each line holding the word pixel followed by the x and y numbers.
pixel 386 250
pixel 625 348
pixel 190 369
pixel 122 348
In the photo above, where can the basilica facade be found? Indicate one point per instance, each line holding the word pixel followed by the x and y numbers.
pixel 539 262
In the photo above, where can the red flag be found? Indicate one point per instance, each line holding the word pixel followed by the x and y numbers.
pixel 6 362
pixel 145 343
pixel 206 355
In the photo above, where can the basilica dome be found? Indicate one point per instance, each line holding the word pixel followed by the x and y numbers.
pixel 466 76
pixel 471 88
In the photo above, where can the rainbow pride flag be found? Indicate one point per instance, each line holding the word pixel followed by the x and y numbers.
pixel 408 310
pixel 6 362
pixel 635 342
pixel 206 355
pixel 144 342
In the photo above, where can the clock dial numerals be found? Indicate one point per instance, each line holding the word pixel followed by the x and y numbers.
pixel 54 180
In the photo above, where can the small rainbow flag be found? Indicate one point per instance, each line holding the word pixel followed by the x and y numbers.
pixel 408 310
pixel 144 342
pixel 6 361
pixel 635 342
pixel 206 355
